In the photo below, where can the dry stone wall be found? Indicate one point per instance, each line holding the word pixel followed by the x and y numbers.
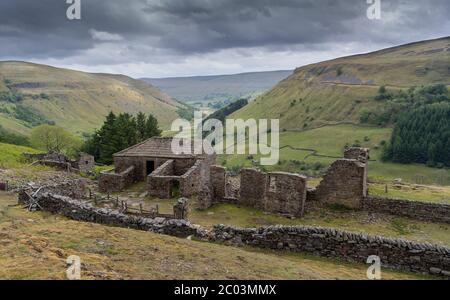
pixel 81 211
pixel 411 209
pixel 355 247
pixel 75 188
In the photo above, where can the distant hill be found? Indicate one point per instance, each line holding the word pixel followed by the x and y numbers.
pixel 336 91
pixel 32 93
pixel 218 88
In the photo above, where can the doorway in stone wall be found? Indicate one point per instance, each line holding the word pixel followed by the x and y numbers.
pixel 175 189
pixel 150 166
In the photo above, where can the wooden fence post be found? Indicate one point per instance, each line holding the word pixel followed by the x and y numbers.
pixel 140 208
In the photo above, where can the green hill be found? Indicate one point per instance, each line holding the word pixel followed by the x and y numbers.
pixel 31 94
pixel 337 91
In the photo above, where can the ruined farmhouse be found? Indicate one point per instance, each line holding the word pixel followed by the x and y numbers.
pixel 344 183
pixel 166 173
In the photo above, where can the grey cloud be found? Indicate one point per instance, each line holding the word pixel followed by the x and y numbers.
pixel 137 29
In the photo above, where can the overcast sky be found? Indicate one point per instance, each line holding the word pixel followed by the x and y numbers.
pixel 161 38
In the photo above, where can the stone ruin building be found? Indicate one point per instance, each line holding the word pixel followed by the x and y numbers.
pixel 344 183
pixel 83 163
pixel 166 173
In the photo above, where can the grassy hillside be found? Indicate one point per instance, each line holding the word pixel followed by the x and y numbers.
pixel 321 146
pixel 36 246
pixel 218 88
pixel 11 155
pixel 337 91
pixel 74 100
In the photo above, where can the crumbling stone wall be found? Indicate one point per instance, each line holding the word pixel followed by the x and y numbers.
pixel 81 211
pixel 406 208
pixel 74 188
pixel 253 188
pixel 190 181
pixel 218 181
pixel 285 193
pixel 181 209
pixel 123 163
pixel 354 247
pixel 361 154
pixel 163 179
pixel 85 163
pixel 344 183
pixel 110 181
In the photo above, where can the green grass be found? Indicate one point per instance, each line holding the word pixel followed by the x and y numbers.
pixel 331 141
pixel 316 95
pixel 434 194
pixel 78 101
pixel 11 155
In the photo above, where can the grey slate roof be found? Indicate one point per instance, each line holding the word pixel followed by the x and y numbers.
pixel 153 147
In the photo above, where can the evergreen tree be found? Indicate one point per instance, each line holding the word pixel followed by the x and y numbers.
pixel 141 126
pixel 118 133
pixel 151 127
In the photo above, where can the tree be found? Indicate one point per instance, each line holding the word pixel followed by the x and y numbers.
pixel 141 126
pixel 151 127
pixel 54 139
pixel 118 133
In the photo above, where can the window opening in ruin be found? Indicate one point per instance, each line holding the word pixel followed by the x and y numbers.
pixel 273 184
pixel 150 167
pixel 175 189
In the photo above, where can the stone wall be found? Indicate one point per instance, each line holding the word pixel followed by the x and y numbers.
pixel 181 209
pixel 85 163
pixel 411 209
pixel 253 188
pixel 354 247
pixel 74 188
pixel 110 181
pixel 81 211
pixel 190 181
pixel 218 181
pixel 344 183
pixel 361 154
pixel 285 194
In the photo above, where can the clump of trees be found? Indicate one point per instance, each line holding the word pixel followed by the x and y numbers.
pixel 52 138
pixel 397 103
pixel 421 120
pixel 422 136
pixel 119 132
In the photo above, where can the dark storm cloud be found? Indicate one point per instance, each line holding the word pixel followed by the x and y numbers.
pixel 39 29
